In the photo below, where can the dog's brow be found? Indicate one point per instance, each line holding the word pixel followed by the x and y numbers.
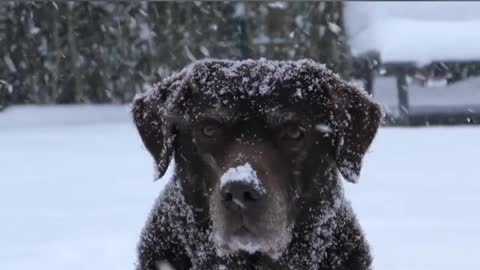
pixel 174 117
pixel 278 117
pixel 221 115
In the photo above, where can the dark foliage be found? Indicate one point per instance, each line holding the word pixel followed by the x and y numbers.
pixel 101 52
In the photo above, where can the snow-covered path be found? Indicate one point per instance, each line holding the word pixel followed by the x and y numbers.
pixel 75 189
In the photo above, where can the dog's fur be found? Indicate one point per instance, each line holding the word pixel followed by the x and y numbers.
pixel 297 124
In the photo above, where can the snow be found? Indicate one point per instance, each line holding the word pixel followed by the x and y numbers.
pixel 248 246
pixel 423 42
pixel 242 173
pixel 334 28
pixel 76 189
pixel 223 83
pixel 239 10
pixel 264 74
pixel 323 128
pixel 278 4
pixel 418 32
pixel 165 266
pixel 417 198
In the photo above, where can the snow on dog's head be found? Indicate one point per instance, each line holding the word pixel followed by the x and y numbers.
pixel 263 86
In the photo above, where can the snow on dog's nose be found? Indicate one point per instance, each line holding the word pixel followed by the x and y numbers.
pixel 241 188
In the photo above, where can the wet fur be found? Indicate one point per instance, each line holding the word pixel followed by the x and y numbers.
pixel 324 233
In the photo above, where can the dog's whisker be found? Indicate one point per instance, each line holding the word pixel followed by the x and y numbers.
pixel 208 217
pixel 239 203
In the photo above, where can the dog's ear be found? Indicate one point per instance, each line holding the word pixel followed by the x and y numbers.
pixel 356 119
pixel 156 133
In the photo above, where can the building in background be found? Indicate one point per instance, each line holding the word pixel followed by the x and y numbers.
pixel 427 62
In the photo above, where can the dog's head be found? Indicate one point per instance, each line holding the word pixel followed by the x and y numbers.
pixel 256 142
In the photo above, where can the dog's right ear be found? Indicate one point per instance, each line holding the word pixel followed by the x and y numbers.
pixel 156 133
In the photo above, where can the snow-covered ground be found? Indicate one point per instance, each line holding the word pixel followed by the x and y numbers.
pixel 75 189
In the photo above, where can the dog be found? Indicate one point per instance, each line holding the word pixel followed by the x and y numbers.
pixel 260 148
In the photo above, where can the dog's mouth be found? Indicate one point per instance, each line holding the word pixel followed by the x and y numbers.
pixel 242 238
pixel 243 232
pixel 254 224
pixel 250 238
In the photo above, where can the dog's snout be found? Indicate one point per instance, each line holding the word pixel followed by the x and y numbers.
pixel 240 195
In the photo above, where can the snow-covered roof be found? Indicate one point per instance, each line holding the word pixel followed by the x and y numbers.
pixel 400 32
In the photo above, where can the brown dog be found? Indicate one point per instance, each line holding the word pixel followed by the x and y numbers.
pixel 258 147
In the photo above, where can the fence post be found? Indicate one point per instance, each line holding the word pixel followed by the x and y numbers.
pixel 403 99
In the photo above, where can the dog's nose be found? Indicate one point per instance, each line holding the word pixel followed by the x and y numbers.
pixel 239 195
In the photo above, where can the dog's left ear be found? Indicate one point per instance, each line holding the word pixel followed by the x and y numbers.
pixel 356 119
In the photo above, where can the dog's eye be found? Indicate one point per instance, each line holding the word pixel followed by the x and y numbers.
pixel 210 130
pixel 293 132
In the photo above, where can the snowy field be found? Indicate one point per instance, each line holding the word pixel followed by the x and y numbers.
pixel 76 187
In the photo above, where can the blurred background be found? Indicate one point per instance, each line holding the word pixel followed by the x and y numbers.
pixel 420 60
pixel 75 179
